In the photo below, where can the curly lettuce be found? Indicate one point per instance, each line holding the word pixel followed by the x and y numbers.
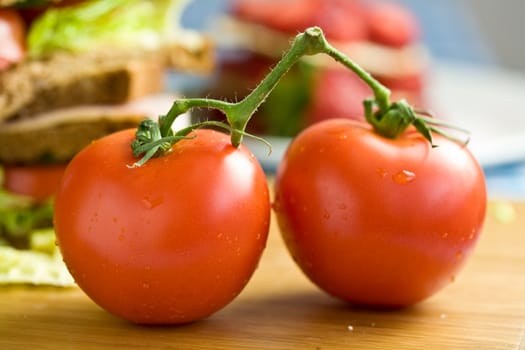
pixel 105 25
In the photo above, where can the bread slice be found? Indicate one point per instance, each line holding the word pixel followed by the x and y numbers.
pixel 59 143
pixel 56 136
pixel 52 107
pixel 67 79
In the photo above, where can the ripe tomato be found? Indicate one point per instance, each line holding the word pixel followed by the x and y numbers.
pixel 377 221
pixel 287 15
pixel 12 37
pixel 36 181
pixel 341 20
pixel 391 24
pixel 169 242
pixel 333 86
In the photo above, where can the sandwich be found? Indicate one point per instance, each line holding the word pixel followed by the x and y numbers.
pixel 71 72
pixel 382 37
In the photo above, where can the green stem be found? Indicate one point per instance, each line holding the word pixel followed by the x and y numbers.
pixel 388 119
pixel 182 106
pixel 381 92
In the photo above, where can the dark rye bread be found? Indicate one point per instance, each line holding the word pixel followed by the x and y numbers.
pixel 58 144
pixel 66 79
pixel 61 142
pixel 51 108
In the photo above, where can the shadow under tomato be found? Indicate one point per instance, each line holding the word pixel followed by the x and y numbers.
pixel 291 319
pixel 304 314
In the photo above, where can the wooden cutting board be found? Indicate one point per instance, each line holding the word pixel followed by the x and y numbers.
pixel 280 309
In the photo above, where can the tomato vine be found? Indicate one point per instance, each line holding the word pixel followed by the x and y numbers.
pixel 388 119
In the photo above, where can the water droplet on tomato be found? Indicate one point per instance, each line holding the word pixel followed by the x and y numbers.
pixel 341 206
pixel 382 172
pixel 151 203
pixel 343 137
pixel 145 285
pixel 404 177
pixel 444 235
pixel 326 215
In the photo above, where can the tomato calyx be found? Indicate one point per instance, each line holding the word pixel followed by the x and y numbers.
pixel 391 119
pixel 151 141
pixel 388 119
pixel 399 115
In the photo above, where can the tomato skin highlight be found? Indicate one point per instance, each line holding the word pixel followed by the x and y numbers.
pixel 376 221
pixel 170 242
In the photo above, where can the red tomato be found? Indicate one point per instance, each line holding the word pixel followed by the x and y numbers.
pixel 12 37
pixel 391 24
pixel 36 181
pixel 287 15
pixel 170 242
pixel 377 221
pixel 333 86
pixel 340 19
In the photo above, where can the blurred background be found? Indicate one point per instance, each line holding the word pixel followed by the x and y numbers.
pixel 478 54
pixel 476 31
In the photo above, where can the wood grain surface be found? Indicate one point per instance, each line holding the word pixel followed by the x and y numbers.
pixel 280 309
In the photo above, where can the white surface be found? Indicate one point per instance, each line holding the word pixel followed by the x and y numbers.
pixel 488 102
pixel 485 101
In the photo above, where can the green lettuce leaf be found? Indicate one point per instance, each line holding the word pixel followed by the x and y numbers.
pixel 33 267
pixel 20 217
pixel 105 25
pixel 28 252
